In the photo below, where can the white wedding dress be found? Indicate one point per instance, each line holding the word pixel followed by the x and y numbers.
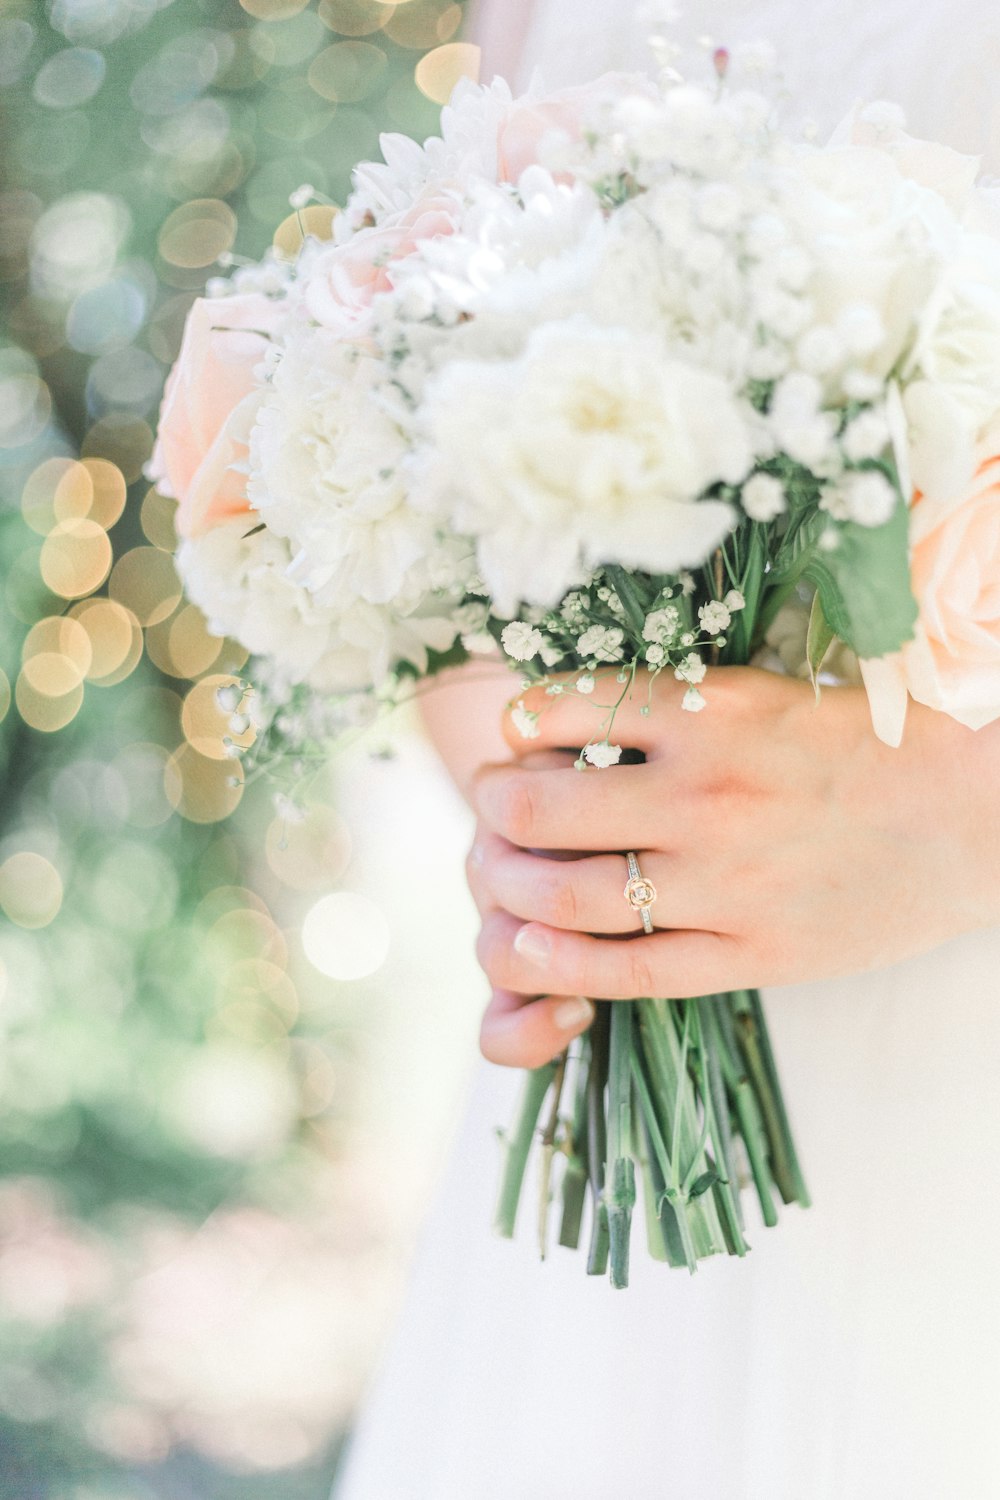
pixel 855 1354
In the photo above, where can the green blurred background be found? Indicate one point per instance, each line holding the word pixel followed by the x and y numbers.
pixel 229 1056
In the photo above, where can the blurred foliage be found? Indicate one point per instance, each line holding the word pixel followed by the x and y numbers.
pixel 173 1098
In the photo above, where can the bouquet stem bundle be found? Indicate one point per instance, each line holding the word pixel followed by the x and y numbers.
pixel 684 1095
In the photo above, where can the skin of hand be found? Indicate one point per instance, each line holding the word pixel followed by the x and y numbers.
pixel 786 843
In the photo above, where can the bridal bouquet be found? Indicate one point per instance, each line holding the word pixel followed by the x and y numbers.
pixel 601 382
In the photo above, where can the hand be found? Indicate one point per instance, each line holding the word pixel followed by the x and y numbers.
pixel 786 843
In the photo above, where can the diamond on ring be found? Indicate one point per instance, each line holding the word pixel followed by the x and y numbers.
pixel 640 893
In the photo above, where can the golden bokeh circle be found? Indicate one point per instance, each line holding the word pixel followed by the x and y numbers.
pixel 38 495
pixel 75 558
pixel 437 73
pixel 200 789
pixel 355 17
pixel 43 711
pixel 418 26
pixel 347 72
pixel 108 491
pixel 115 639
pixel 315 220
pixel 57 655
pixel 192 648
pixel 31 889
pixel 145 581
pixel 206 724
pixel 156 517
pixel 273 10
pixel 197 233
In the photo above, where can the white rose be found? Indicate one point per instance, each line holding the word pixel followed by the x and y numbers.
pixel 326 472
pixel 958 344
pixel 605 445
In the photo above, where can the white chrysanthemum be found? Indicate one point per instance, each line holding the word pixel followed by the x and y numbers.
pixel 326 472
pixel 241 582
pixel 464 152
pixel 605 446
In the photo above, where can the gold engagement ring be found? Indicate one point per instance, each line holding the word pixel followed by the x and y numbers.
pixel 640 893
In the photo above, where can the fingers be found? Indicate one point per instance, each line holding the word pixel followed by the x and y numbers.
pixel 519 1032
pixel 531 958
pixel 573 719
pixel 588 894
pixel 567 809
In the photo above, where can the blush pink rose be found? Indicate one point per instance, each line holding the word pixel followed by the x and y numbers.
pixel 346 279
pixel 207 409
pixel 531 121
pixel 953 662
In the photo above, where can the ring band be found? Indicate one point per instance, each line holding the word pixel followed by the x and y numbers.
pixel 640 893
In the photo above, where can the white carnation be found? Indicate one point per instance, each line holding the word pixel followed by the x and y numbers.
pixel 606 444
pixel 326 471
pixel 521 641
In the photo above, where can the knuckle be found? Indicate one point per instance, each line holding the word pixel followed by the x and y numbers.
pixel 558 903
pixel 517 809
pixel 641 977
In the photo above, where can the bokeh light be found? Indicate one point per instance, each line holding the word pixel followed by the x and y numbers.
pixel 345 936
pixel 172 1058
pixel 31 889
pixel 439 72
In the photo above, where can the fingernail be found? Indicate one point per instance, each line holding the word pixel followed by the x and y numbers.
pixel 477 854
pixel 533 945
pixel 572 1014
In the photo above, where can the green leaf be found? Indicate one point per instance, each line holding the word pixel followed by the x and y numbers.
pixel 864 585
pixel 702 1184
pixel 819 639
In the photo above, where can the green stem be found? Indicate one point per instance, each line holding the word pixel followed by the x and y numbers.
pixel 756 1043
pixel 517 1146
pixel 597 1255
pixel 619 1181
pixel 745 1105
pixel 548 1150
pixel 668 1198
pixel 574 1183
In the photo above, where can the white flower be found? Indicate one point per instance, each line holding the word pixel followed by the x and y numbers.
pixel 692 669
pixel 763 497
pixel 865 497
pixel 521 641
pixel 693 701
pixel 661 624
pixel 525 722
pixel 603 642
pixel 866 437
pixel 714 617
pixel 655 655
pixel 603 754
pixel 606 445
pixel 801 429
pixel 326 472
pixel 734 601
pixel 585 684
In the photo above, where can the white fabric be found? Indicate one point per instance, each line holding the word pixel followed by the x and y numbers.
pixel 855 1355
